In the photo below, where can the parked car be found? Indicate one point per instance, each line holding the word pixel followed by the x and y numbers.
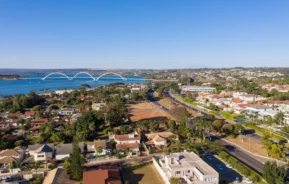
pixel 209 157
pixel 229 166
pixel 220 167
pixel 246 180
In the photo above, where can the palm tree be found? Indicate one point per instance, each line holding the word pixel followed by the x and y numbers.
pixel 279 117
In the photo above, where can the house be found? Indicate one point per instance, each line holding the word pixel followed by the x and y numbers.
pixel 97 106
pixel 92 148
pixel 158 139
pixel 127 144
pixel 109 175
pixel 63 151
pixel 11 156
pixel 58 176
pixel 74 117
pixel 36 124
pixel 29 115
pixel 39 152
pixel 188 166
pixel 66 111
pixel 4 126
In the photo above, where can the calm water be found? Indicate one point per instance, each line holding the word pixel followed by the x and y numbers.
pixel 10 87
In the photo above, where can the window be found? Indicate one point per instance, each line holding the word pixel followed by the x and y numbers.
pixel 40 156
pixel 188 171
pixel 178 172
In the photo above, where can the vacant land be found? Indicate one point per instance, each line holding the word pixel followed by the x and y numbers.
pixel 146 110
pixel 169 104
pixel 143 175
pixel 249 144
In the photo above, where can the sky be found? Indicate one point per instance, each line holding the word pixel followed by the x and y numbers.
pixel 157 34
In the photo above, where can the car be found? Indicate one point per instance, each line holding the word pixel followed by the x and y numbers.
pixel 246 180
pixel 229 166
pixel 220 167
pixel 229 147
pixel 209 157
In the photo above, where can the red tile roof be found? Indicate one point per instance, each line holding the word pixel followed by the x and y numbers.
pixel 130 145
pixel 29 113
pixel 236 100
pixel 105 176
pixel 126 137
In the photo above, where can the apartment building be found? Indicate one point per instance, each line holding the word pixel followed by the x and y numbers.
pixel 188 166
pixel 197 89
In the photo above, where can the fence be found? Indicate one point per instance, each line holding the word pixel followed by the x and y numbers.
pixel 161 172
pixel 102 159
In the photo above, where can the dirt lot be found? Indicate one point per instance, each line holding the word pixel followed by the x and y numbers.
pixel 249 145
pixel 145 175
pixel 147 110
pixel 166 102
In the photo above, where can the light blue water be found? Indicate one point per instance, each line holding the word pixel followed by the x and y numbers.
pixel 10 87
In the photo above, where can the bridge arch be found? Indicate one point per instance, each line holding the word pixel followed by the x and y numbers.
pixel 55 73
pixel 83 73
pixel 108 73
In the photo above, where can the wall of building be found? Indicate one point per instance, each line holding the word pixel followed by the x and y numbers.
pixel 161 172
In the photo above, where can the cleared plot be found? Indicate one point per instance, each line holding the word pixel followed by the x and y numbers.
pixel 143 175
pixel 146 110
pixel 249 144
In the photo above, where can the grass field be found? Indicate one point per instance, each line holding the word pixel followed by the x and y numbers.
pixel 146 174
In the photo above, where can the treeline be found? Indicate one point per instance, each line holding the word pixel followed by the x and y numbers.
pixel 2 76
pixel 17 103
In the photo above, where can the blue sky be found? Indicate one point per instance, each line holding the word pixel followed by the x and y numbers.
pixel 143 33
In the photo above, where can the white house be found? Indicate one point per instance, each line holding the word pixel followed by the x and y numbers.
pixel 188 166
pixel 66 111
pixel 39 152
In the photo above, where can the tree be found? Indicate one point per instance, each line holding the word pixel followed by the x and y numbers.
pixel 99 150
pixel 279 118
pixel 116 113
pixel 39 180
pixel 227 129
pixel 77 162
pixel 172 125
pixel 217 125
pixel 174 180
pixel 274 174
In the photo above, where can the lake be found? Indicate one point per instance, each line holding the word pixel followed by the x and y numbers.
pixel 34 83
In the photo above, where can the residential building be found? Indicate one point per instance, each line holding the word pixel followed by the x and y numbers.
pixel 109 175
pixel 39 152
pixel 128 142
pixel 159 138
pixel 92 146
pixel 66 111
pixel 29 115
pixel 187 166
pixel 97 106
pixel 8 156
pixel 63 151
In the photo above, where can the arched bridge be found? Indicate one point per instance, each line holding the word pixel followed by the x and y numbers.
pixel 77 75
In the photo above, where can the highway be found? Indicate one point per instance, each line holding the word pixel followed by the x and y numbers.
pixel 240 154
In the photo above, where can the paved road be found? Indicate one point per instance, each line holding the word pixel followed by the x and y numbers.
pixel 220 167
pixel 243 156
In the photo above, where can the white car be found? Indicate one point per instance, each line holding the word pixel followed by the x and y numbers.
pixel 229 166
pixel 246 180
